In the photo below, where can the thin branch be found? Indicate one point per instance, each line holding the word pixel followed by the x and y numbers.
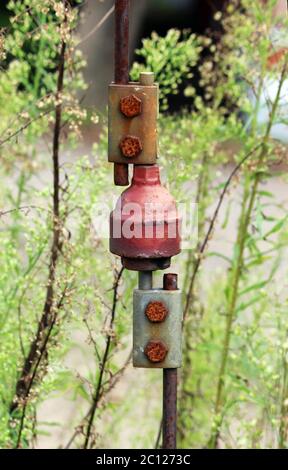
pixel 42 352
pixel 157 443
pixel 38 346
pixel 25 126
pixel 249 199
pixel 26 109
pixel 22 208
pixel 98 25
pixel 113 382
pixel 102 365
pixel 211 227
pixel 203 248
pixel 92 340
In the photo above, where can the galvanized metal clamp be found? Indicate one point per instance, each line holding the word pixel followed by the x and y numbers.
pixel 157 328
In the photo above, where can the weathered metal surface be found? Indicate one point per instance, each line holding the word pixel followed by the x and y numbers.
pixel 121 65
pixel 169 408
pixel 142 125
pixel 156 311
pixel 145 264
pixel 169 427
pixel 169 332
pixel 122 41
pixel 121 174
pixel 145 280
pixel 130 106
pixel 146 78
pixel 170 281
pixel 156 351
pixel 145 226
pixel 131 146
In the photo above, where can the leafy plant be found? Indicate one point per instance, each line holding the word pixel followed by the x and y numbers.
pixel 171 58
pixel 65 304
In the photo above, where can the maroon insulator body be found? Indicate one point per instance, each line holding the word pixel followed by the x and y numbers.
pixel 145 226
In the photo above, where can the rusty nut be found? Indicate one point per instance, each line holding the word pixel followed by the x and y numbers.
pixel 156 351
pixel 130 106
pixel 156 312
pixel 131 146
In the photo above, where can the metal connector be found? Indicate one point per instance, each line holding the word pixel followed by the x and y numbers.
pixel 167 332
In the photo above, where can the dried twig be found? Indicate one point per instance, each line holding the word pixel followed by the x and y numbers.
pixel 99 386
pixel 102 365
pixel 211 228
pixel 98 26
pixel 112 384
pixel 38 347
pixel 41 353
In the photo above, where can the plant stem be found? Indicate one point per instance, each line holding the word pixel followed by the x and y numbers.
pixel 38 346
pixel 102 365
pixel 211 228
pixel 191 332
pixel 283 428
pixel 247 209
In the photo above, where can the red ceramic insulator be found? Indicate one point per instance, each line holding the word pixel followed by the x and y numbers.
pixel 145 226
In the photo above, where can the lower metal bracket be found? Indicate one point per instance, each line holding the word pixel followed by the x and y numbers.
pixel 157 328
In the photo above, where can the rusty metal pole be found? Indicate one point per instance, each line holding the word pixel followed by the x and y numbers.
pixel 146 171
pixel 169 387
pixel 121 61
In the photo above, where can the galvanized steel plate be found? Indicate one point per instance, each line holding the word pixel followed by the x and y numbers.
pixel 169 331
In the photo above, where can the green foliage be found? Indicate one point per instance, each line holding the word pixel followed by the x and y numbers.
pixel 171 58
pixel 236 315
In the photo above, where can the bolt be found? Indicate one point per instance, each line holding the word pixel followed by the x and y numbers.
pixel 170 281
pixel 130 106
pixel 146 78
pixel 156 351
pixel 131 146
pixel 156 312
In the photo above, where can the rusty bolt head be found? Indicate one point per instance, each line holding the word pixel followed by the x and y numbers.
pixel 131 146
pixel 130 106
pixel 156 351
pixel 156 312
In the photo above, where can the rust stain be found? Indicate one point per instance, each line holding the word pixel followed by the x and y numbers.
pixel 130 106
pixel 156 351
pixel 170 281
pixel 121 174
pixel 131 146
pixel 156 312
pixel 126 124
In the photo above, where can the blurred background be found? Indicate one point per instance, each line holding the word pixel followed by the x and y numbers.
pixel 146 16
pixel 138 425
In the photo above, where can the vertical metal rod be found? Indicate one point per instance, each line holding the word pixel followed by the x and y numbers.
pixel 122 41
pixel 169 387
pixel 145 280
pixel 121 172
